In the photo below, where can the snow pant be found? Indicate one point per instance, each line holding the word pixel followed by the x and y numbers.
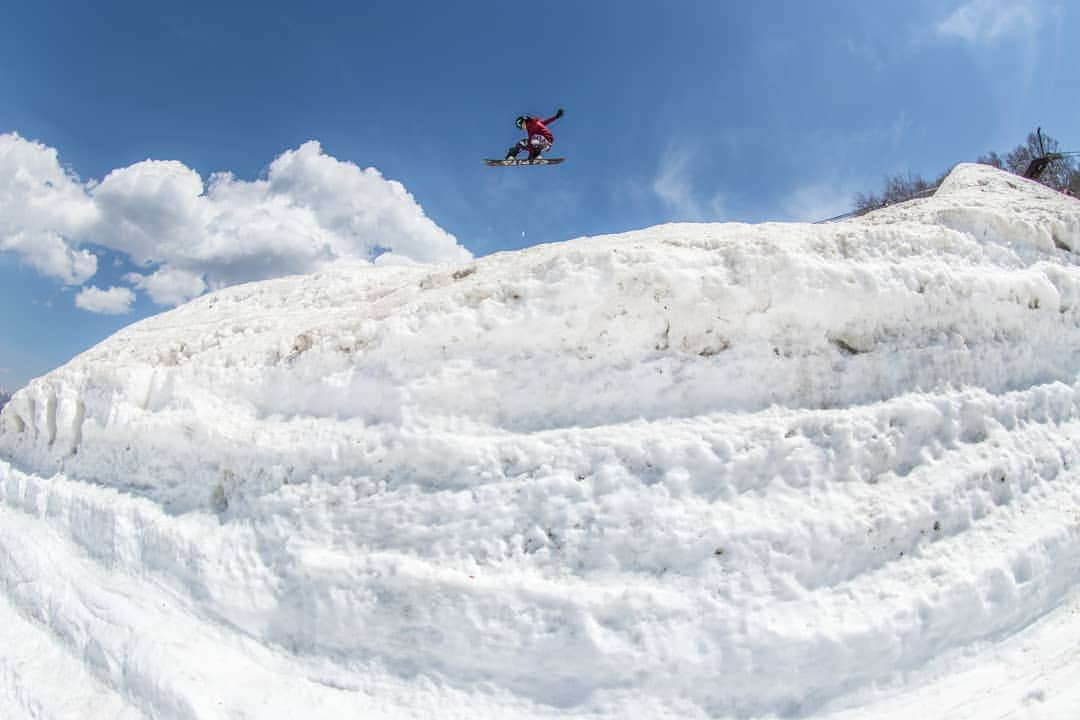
pixel 535 145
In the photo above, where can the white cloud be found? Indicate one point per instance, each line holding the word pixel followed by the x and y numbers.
pixel 674 186
pixel 866 52
pixel 42 207
pixel 52 255
pixel 359 206
pixel 985 27
pixel 153 210
pixel 818 201
pixel 310 210
pixel 114 301
pixel 981 21
pixel 169 286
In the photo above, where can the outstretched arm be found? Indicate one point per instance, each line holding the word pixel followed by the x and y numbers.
pixel 558 114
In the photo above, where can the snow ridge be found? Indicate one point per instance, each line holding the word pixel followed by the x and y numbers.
pixel 644 474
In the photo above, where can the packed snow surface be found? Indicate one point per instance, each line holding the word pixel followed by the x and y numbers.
pixel 699 470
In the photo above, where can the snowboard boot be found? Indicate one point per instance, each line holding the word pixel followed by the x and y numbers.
pixel 511 154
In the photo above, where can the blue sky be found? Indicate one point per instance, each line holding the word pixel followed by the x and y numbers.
pixel 675 110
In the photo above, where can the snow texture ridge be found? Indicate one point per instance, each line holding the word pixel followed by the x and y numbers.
pixel 698 470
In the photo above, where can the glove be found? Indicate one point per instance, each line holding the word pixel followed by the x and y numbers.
pixel 559 113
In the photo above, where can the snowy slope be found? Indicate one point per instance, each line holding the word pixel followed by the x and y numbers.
pixel 695 470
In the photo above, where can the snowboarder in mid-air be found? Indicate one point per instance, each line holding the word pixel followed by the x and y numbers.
pixel 539 138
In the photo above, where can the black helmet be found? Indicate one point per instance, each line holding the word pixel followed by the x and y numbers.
pixel 521 120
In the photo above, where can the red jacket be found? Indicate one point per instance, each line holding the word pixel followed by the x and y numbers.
pixel 536 126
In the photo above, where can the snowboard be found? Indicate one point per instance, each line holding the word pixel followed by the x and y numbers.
pixel 539 161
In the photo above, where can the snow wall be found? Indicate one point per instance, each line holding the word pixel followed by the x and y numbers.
pixel 650 473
